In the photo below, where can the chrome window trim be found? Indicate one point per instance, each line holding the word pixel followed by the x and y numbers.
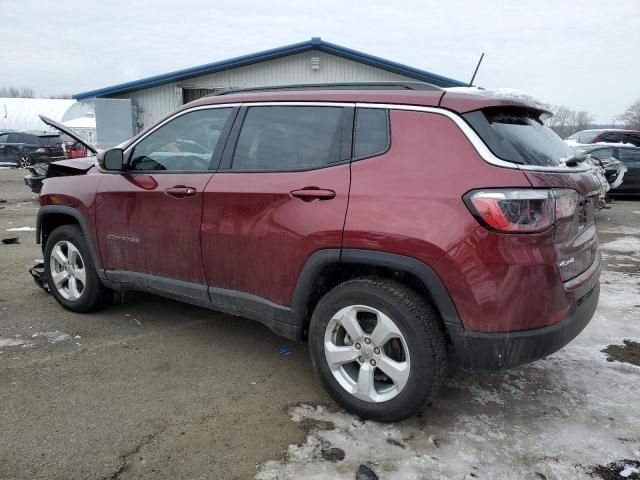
pixel 173 117
pixel 481 147
pixel 475 140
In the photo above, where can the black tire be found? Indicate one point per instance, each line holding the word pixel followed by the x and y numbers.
pixel 419 324
pixel 94 294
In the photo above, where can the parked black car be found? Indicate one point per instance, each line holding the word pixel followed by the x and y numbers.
pixel 23 149
pixel 629 156
pixel 75 144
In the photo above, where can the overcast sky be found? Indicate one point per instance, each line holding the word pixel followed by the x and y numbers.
pixel 582 54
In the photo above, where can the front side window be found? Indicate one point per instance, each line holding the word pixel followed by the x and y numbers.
pixel 629 155
pixel 186 143
pixel 4 138
pixel 288 138
pixel 602 153
pixel 371 132
pixel 633 139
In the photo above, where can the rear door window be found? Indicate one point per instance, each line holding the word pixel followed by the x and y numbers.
pixel 518 135
pixel 285 138
pixel 371 132
pixel 611 138
pixel 633 139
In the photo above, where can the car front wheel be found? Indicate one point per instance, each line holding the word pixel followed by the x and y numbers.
pixel 378 347
pixel 71 275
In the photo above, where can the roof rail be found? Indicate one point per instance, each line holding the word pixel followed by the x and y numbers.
pixel 334 86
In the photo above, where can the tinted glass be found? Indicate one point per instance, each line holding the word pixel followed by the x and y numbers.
pixel 4 138
pixel 602 153
pixel 633 139
pixel 629 155
pixel 14 138
pixel 184 144
pixel 372 132
pixel 50 141
pixel 611 138
pixel 288 138
pixel 518 135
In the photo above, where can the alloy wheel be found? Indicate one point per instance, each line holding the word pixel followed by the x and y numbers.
pixel 367 353
pixel 67 270
pixel 25 161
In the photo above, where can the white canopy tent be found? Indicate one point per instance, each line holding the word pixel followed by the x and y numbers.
pixel 22 113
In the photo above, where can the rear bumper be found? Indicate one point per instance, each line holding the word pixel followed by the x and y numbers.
pixel 498 351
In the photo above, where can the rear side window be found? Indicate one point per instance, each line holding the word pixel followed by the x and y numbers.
pixel 633 139
pixel 611 138
pixel 289 138
pixel 50 141
pixel 371 132
pixel 518 135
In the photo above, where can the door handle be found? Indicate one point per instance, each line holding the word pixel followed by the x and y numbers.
pixel 311 194
pixel 180 191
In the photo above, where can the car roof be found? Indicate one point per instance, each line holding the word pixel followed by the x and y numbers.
pixel 458 102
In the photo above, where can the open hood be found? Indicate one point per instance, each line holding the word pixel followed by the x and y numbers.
pixel 68 131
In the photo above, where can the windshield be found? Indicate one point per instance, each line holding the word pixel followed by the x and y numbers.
pixel 518 135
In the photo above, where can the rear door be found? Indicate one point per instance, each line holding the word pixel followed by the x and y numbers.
pixel 280 195
pixel 148 218
pixel 631 181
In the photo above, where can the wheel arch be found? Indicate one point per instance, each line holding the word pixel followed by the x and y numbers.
pixel 327 268
pixel 51 217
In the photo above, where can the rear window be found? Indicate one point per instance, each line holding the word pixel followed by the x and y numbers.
pixel 518 135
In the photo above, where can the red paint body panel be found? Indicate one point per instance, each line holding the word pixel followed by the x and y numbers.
pixel 503 283
pixel 409 200
pixel 256 237
pixel 155 233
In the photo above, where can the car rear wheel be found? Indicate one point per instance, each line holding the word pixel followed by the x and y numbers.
pixel 24 161
pixel 378 347
pixel 71 275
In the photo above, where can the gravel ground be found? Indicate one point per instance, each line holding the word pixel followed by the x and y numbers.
pixel 151 388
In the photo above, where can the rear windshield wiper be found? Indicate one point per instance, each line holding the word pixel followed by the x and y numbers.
pixel 576 159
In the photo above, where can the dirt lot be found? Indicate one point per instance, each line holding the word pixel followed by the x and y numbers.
pixel 152 388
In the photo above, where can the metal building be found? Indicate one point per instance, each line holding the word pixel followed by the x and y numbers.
pixel 312 61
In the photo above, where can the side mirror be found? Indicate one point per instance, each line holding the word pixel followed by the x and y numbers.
pixel 112 160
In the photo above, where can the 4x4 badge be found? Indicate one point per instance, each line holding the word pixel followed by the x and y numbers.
pixel 564 263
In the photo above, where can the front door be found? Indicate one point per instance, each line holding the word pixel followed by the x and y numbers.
pixel 280 195
pixel 148 218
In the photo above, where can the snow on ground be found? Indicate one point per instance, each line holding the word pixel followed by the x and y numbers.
pixel 51 337
pixel 21 229
pixel 625 244
pixel 556 418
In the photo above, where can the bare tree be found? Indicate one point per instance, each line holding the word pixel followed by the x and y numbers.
pixel 631 117
pixel 565 121
pixel 63 96
pixel 17 92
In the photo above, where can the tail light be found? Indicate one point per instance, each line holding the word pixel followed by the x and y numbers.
pixel 521 210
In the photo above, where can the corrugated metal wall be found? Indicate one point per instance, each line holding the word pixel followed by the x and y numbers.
pixel 156 102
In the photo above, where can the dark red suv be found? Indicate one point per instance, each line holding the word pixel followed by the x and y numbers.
pixel 385 225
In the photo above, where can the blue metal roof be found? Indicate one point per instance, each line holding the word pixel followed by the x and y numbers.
pixel 316 43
